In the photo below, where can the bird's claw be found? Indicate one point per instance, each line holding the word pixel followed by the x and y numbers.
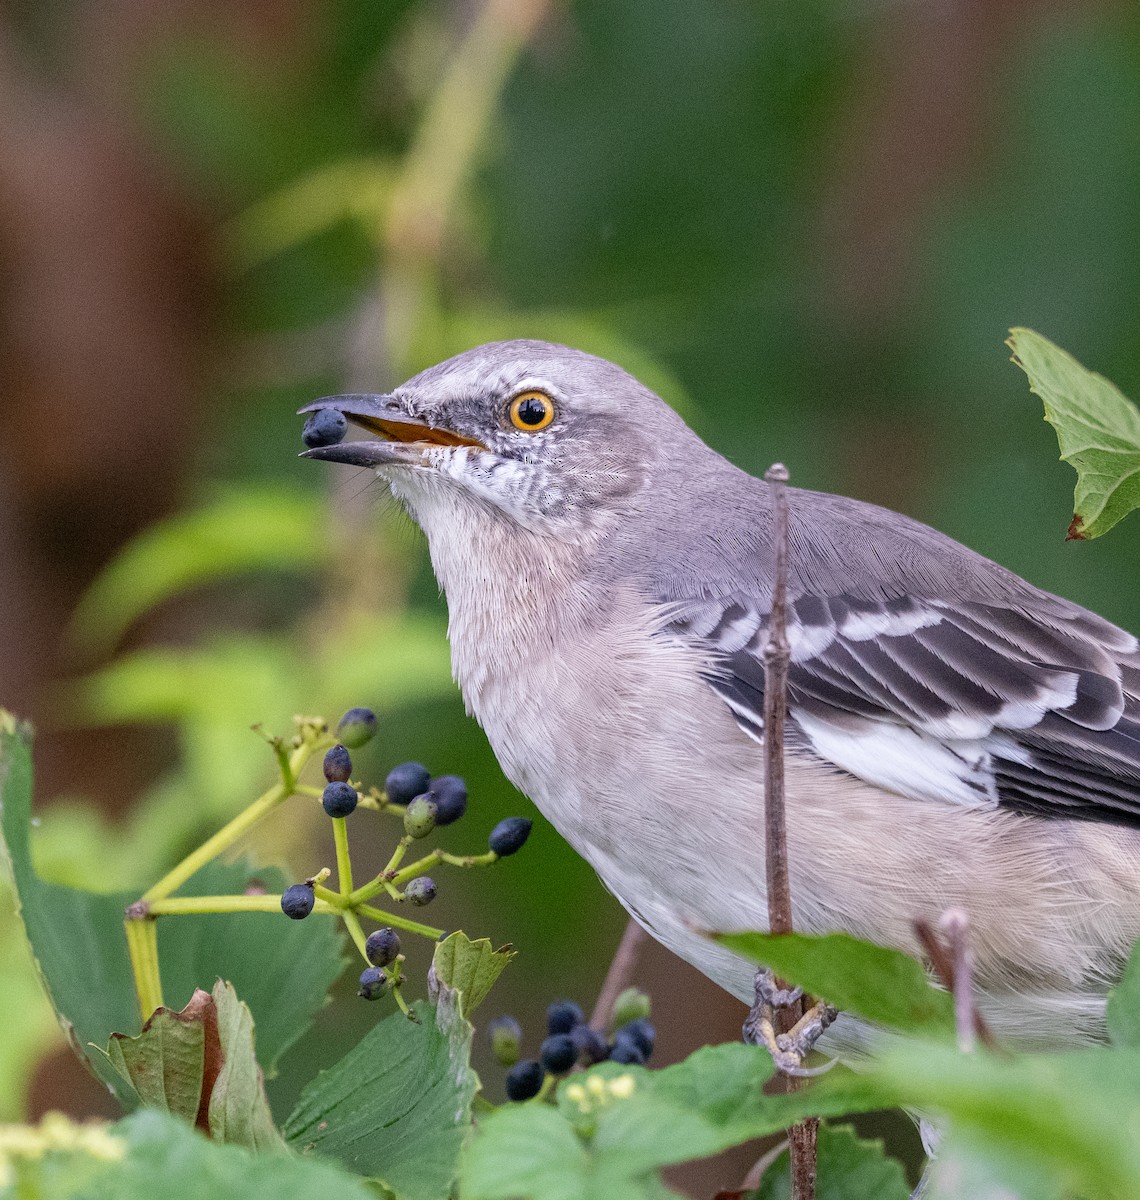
pixel 789 1049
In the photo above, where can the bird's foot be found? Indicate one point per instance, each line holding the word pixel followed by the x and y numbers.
pixel 788 1049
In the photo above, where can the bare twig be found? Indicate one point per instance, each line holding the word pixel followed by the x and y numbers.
pixel 620 974
pixel 954 924
pixel 954 967
pixel 776 656
pixel 801 1137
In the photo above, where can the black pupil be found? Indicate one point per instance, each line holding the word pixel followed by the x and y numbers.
pixel 532 411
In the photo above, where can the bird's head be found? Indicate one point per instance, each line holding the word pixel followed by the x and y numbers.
pixel 549 438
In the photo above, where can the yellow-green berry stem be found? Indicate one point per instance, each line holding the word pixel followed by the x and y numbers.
pixel 352 924
pixel 237 828
pixel 142 944
pixel 184 905
pixel 334 900
pixel 387 918
pixel 343 862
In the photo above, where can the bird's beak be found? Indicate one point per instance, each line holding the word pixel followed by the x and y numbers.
pixel 380 415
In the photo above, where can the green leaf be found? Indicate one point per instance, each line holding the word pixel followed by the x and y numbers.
pixel 238 1109
pixel 1072 1120
pixel 847 1168
pixel 882 985
pixel 620 1125
pixel 469 968
pixel 526 1150
pixel 249 530
pixel 397 1107
pixel 963 1168
pixel 153 1154
pixel 166 1063
pixel 1124 1004
pixel 81 951
pixel 1098 431
pixel 199 1065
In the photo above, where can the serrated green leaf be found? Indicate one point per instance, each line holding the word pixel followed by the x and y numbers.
pixel 199 1065
pixel 397 1107
pixel 238 1110
pixel 151 1153
pixel 166 1063
pixel 848 1167
pixel 1097 427
pixel 469 967
pixel 249 530
pixel 1124 1005
pixel 81 952
pixel 620 1125
pixel 884 986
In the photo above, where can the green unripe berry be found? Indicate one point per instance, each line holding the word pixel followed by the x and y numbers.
pixel 505 1034
pixel 631 1005
pixel 419 817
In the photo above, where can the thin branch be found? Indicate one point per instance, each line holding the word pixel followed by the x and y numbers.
pixel 802 1136
pixel 620 975
pixel 954 967
pixel 776 656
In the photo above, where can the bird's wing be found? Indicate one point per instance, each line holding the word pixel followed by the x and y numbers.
pixel 1034 704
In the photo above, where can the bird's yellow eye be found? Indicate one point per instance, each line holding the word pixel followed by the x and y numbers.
pixel 531 411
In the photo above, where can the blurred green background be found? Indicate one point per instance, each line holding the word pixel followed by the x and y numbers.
pixel 809 225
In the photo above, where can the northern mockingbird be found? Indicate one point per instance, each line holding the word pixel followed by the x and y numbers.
pixel 956 737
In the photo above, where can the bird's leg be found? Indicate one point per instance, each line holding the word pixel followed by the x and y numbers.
pixel 790 1048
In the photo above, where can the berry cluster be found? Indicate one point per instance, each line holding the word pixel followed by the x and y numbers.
pixel 425 802
pixel 410 792
pixel 571 1042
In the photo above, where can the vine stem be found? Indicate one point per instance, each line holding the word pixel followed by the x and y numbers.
pixel 142 944
pixel 184 905
pixel 620 974
pixel 387 918
pixel 139 925
pixel 352 924
pixel 343 862
pixel 777 653
pixel 240 825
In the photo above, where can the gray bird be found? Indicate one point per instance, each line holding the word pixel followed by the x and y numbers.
pixel 956 737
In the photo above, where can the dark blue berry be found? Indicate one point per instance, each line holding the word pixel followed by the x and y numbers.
pixel 406 782
pixel 421 891
pixel 509 835
pixel 558 1053
pixel 338 765
pixel 373 983
pixel 591 1046
pixel 626 1050
pixel 297 901
pixel 524 1080
pixel 562 1016
pixel 450 795
pixel 356 727
pixel 505 1034
pixel 339 799
pixel 642 1034
pixel 420 817
pixel 381 946
pixel 325 427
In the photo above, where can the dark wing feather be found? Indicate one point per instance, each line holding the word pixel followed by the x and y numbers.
pixel 1033 706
